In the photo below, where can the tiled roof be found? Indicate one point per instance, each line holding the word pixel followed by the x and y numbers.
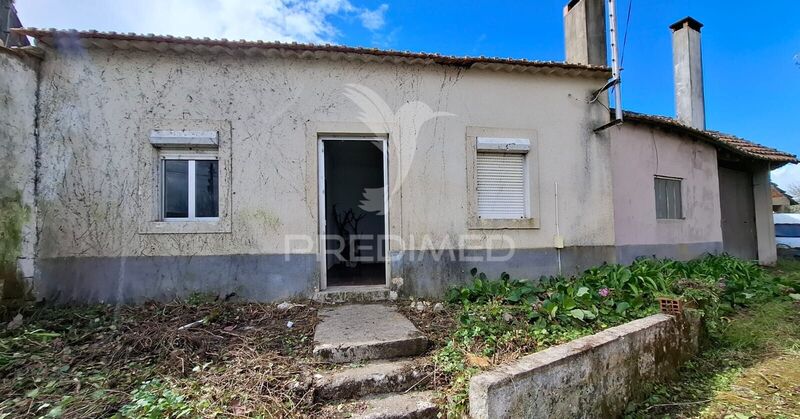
pixel 150 42
pixel 777 192
pixel 726 141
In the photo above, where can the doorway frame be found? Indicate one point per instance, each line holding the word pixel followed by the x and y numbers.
pixel 322 213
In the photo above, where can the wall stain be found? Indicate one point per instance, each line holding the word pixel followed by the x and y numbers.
pixel 13 215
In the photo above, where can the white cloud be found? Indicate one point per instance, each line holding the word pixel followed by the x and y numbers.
pixel 787 177
pixel 268 20
pixel 374 19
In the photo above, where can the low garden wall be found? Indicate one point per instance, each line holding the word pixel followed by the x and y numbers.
pixel 594 376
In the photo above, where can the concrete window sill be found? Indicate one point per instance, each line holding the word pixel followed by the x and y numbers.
pixel 185 227
pixel 521 224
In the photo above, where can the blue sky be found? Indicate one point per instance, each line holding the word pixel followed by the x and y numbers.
pixel 751 50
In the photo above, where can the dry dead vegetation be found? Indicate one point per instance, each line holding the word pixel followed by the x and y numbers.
pixel 235 360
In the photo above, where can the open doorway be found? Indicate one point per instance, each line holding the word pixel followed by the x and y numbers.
pixel 353 198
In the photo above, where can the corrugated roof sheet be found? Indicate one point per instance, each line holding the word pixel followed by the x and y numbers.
pixel 150 42
pixel 726 141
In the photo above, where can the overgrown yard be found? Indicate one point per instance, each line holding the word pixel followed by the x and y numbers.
pixel 142 361
pixel 213 358
pixel 502 319
pixel 750 370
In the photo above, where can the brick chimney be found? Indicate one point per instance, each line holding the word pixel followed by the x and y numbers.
pixel 687 58
pixel 585 32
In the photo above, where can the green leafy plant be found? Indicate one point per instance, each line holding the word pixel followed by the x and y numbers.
pixel 157 399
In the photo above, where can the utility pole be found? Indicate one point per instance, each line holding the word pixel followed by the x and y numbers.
pixel 615 70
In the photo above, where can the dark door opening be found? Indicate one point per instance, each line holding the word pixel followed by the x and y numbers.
pixel 355 218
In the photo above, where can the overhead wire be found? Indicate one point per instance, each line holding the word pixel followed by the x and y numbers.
pixel 625 36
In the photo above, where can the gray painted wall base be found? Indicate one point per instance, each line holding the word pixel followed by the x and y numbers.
pixel 425 273
pixel 141 278
pixel 430 273
pixel 684 251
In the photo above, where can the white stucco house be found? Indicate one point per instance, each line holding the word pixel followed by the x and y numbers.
pixel 151 167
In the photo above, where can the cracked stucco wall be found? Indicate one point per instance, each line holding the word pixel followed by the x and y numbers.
pixel 97 107
pixel 17 175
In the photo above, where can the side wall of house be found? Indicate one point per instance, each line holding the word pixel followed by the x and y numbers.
pixel 101 241
pixel 17 174
pixel 765 222
pixel 639 154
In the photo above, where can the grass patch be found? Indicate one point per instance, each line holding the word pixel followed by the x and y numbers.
pixel 746 345
pixel 751 368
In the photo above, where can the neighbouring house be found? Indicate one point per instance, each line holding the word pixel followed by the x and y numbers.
pixel 782 202
pixel 149 167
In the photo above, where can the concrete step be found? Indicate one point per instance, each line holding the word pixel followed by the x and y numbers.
pixel 412 405
pixel 362 332
pixel 373 378
pixel 355 294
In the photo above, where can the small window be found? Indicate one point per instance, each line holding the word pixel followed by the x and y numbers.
pixel 669 203
pixel 190 188
pixel 502 186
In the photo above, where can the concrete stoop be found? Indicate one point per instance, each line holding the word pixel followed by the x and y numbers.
pixel 417 405
pixel 362 332
pixel 355 294
pixel 383 388
pixel 374 378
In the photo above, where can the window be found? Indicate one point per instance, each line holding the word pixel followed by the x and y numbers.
pixel 185 176
pixel 669 204
pixel 501 173
pixel 190 187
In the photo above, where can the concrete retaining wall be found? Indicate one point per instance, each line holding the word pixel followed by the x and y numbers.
pixel 595 376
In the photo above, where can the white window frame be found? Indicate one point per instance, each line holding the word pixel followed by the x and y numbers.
pixel 192 158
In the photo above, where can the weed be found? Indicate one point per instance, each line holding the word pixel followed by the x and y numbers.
pixel 157 399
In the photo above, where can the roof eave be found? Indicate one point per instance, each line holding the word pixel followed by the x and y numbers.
pixel 778 160
pixel 112 40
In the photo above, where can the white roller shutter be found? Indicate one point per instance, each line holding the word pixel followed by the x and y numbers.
pixel 501 185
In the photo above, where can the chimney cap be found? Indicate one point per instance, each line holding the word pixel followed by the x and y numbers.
pixel 687 21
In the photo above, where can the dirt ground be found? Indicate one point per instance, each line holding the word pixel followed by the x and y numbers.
pixel 234 360
pixel 198 358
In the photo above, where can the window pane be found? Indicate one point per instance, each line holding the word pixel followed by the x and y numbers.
pixel 669 203
pixel 206 188
pixel 176 188
pixel 661 198
pixel 676 184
